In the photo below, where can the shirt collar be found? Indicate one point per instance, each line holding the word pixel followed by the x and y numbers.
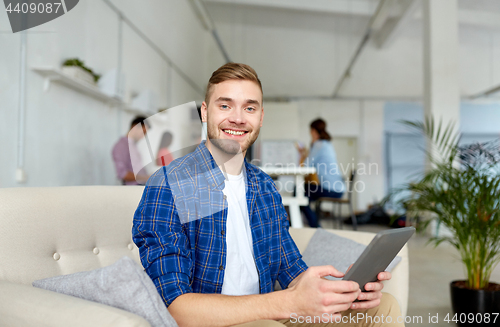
pixel 214 174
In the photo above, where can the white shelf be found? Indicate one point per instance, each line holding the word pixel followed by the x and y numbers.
pixel 54 75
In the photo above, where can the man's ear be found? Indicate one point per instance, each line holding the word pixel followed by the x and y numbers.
pixel 203 112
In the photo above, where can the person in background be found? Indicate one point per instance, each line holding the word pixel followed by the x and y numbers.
pixel 328 181
pixel 164 157
pixel 126 155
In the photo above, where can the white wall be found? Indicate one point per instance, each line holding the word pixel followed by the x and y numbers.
pixel 69 135
pixel 281 121
pixel 479 59
pixel 9 94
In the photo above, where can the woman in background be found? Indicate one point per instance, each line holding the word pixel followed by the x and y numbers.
pixel 328 181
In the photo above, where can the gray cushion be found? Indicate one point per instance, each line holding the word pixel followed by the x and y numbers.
pixel 124 285
pixel 326 248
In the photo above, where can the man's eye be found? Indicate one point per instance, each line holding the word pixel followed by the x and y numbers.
pixel 250 109
pixel 224 106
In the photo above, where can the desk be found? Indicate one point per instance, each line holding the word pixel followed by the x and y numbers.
pixel 293 202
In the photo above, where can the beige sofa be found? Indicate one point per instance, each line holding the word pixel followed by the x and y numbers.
pixel 53 231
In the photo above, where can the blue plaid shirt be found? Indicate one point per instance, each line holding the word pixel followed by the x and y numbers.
pixel 179 227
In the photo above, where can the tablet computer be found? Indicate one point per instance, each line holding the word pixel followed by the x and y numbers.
pixel 378 255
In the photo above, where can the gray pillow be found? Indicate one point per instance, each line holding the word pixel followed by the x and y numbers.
pixel 326 248
pixel 123 285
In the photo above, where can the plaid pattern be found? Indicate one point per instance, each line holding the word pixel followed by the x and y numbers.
pixel 179 227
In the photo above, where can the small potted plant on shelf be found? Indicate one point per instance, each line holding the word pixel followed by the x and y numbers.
pixel 461 191
pixel 75 68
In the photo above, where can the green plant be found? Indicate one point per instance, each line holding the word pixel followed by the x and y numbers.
pixel 460 190
pixel 79 63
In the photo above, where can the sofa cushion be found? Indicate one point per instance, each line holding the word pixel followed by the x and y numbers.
pixel 122 285
pixel 326 248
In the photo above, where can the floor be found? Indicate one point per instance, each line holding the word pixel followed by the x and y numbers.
pixel 431 271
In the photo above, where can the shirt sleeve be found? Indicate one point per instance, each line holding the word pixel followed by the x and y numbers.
pixel 162 242
pixel 291 264
pixel 121 158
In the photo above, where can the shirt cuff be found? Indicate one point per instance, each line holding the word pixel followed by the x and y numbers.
pixel 170 290
pixel 287 276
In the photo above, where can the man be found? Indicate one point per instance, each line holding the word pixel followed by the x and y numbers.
pixel 126 156
pixel 213 233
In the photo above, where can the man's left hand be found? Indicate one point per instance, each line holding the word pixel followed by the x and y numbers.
pixel 371 298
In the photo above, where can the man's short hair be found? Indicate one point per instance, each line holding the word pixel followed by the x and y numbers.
pixel 139 120
pixel 231 71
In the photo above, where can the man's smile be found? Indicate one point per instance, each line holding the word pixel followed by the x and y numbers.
pixel 234 132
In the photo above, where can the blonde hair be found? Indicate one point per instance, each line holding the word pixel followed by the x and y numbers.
pixel 231 71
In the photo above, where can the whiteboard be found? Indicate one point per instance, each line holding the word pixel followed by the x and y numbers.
pixel 279 154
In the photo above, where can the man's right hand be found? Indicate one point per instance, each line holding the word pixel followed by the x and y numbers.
pixel 313 295
pixel 309 294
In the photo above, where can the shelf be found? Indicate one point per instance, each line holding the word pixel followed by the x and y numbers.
pixel 54 75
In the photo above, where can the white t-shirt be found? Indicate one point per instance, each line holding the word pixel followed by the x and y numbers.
pixel 241 276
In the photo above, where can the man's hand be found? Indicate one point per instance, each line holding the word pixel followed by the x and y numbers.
pixel 371 298
pixel 313 295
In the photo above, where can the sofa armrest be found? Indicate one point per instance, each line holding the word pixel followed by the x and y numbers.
pixel 23 306
pixel 400 283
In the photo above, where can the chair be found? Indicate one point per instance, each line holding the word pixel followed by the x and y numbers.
pixel 340 202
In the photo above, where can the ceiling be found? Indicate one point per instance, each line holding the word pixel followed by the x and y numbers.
pixel 303 48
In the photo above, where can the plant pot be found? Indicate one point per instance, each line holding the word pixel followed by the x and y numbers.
pixel 471 307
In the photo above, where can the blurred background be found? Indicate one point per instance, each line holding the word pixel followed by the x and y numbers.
pixel 361 65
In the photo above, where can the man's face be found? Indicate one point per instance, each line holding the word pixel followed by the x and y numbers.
pixel 234 115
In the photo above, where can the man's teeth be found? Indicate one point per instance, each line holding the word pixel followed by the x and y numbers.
pixel 234 132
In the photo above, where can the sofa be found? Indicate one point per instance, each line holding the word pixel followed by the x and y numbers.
pixel 53 231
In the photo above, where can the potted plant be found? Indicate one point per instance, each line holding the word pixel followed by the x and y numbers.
pixel 75 68
pixel 461 191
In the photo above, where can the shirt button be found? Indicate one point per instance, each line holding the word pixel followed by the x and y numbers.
pixel 223 232
pixel 221 268
pixel 225 197
pixel 213 185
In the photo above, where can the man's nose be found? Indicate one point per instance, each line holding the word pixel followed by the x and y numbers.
pixel 237 117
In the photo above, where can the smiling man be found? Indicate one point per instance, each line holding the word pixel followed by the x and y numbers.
pixel 213 233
